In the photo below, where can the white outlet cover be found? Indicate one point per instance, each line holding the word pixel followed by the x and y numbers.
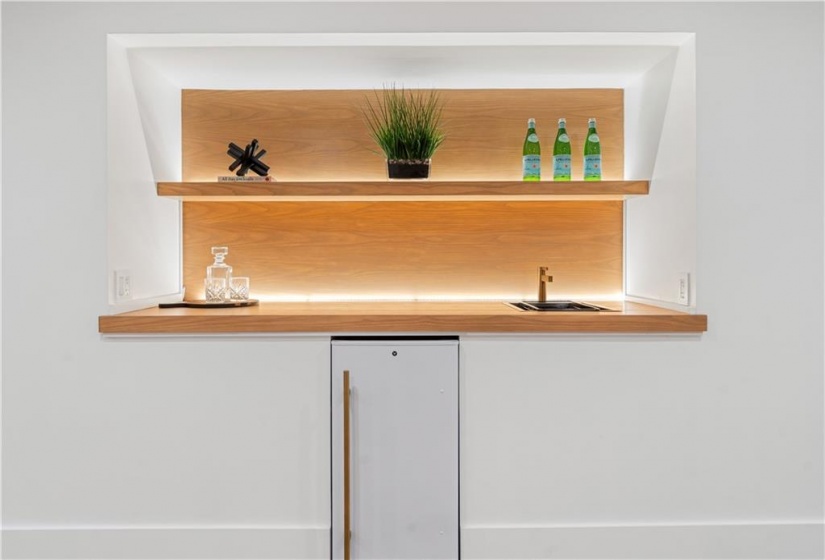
pixel 683 295
pixel 123 285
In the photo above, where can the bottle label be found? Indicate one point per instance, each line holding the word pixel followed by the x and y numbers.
pixel 531 167
pixel 561 165
pixel 564 138
pixel 533 137
pixel 593 166
pixel 593 137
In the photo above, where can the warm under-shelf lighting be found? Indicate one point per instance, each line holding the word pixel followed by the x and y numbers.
pixel 358 298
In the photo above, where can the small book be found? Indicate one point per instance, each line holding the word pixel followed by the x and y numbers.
pixel 245 179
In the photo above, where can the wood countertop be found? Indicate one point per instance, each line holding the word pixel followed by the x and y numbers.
pixel 400 317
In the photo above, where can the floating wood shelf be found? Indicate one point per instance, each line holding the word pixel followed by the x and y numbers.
pixel 403 190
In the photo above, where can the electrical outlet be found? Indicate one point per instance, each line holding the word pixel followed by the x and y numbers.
pixel 684 289
pixel 123 285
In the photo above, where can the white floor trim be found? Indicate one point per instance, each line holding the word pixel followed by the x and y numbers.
pixel 785 541
pixel 204 543
pixel 642 542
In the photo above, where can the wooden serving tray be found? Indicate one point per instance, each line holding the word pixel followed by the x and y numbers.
pixel 209 304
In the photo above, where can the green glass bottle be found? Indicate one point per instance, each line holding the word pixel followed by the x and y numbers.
pixel 592 153
pixel 531 154
pixel 562 157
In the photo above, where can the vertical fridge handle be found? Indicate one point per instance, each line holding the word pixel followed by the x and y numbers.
pixel 347 522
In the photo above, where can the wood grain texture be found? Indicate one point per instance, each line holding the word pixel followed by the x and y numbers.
pixel 321 135
pixel 401 249
pixel 421 317
pixel 393 250
pixel 404 190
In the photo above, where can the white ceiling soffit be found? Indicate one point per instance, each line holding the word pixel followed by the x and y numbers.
pixel 449 60
pixel 365 67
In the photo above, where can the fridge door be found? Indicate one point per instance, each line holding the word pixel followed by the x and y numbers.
pixel 403 448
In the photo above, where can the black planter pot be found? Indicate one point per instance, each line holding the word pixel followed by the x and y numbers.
pixel 408 169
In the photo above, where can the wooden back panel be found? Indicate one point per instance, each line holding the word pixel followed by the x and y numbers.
pixel 321 135
pixel 405 249
pixel 400 249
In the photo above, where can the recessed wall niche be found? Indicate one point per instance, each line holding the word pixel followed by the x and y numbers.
pixel 148 72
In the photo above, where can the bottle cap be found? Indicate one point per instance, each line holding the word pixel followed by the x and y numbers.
pixel 562 122
pixel 531 123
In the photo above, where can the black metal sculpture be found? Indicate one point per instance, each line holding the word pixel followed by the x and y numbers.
pixel 247 159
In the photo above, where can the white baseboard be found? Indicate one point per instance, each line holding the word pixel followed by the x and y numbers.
pixel 646 542
pixel 134 543
pixel 775 541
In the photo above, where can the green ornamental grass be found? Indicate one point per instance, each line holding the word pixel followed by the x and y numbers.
pixel 405 123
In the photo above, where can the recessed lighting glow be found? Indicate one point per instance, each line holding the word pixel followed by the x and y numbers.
pixel 357 298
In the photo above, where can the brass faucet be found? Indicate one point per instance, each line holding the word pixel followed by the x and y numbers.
pixel 544 279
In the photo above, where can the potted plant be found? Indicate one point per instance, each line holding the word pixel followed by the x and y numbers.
pixel 406 126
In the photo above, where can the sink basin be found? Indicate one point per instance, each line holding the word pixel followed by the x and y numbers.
pixel 557 305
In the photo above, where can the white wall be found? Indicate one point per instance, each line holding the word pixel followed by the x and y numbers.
pixel 652 446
